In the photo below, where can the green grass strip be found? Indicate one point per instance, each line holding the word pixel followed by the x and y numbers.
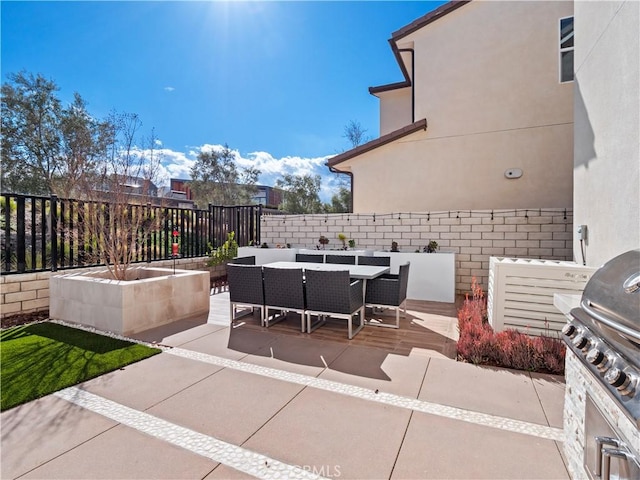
pixel 42 358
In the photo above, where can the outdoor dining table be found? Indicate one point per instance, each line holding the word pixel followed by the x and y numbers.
pixel 361 272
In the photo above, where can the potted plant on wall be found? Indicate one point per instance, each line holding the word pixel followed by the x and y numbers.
pixel 431 247
pixel 343 238
pixel 323 241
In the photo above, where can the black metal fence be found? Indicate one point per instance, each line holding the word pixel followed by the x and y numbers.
pixel 48 233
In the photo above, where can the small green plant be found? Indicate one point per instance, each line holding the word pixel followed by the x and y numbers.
pixel 224 252
pixel 352 243
pixel 394 247
pixel 343 238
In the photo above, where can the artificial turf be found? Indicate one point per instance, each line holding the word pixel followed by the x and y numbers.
pixel 42 358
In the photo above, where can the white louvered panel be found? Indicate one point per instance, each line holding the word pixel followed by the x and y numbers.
pixel 527 306
pixel 521 293
pixel 562 287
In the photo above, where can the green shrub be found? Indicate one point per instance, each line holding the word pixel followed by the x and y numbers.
pixel 225 252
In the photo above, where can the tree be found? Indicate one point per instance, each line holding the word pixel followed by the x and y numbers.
pixel 47 148
pixel 216 179
pixel 31 133
pixel 84 144
pixel 118 217
pixel 340 201
pixel 354 133
pixel 302 193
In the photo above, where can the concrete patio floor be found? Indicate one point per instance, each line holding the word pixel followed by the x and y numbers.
pixel 242 402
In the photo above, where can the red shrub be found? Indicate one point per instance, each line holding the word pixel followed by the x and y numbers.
pixel 479 344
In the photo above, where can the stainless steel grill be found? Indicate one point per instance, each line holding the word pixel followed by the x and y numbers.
pixel 604 334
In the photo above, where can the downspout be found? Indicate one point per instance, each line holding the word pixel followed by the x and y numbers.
pixel 334 170
pixel 413 83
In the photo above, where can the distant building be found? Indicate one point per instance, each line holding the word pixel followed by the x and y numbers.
pixel 181 185
pixel 267 196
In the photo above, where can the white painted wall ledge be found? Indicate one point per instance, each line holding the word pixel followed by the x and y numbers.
pixel 431 275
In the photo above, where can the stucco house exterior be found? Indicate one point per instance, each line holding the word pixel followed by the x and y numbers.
pixel 483 118
pixel 607 129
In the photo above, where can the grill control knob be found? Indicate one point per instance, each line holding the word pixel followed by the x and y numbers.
pixel 617 378
pixel 581 342
pixel 569 330
pixel 598 359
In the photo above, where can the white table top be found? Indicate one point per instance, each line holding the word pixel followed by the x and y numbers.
pixel 366 272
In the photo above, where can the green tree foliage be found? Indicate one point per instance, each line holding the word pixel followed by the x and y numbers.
pixel 31 133
pixel 340 201
pixel 84 146
pixel 217 179
pixel 302 193
pixel 46 148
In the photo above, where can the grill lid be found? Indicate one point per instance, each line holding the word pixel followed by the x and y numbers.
pixel 612 295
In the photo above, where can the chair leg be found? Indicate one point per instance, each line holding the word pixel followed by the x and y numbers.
pixel 398 317
pixel 231 313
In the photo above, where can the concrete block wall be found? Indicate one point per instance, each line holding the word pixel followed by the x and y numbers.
pixel 29 292
pixel 474 236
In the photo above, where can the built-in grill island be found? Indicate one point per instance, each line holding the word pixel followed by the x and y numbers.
pixel 602 399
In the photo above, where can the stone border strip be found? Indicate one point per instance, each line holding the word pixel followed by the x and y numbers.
pixel 484 419
pixel 239 458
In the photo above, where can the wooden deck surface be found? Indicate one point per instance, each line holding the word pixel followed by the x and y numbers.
pixel 428 325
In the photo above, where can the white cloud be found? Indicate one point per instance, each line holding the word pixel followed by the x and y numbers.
pixel 177 164
pixel 169 89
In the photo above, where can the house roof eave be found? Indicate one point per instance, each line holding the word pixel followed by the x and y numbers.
pixel 388 87
pixel 378 142
pixel 430 17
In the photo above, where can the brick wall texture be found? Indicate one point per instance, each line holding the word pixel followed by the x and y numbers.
pixel 473 235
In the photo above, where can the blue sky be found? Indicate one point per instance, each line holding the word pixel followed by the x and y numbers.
pixel 276 81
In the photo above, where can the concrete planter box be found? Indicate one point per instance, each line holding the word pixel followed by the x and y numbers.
pixel 150 298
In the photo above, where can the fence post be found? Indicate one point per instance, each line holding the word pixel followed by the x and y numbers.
pixel 149 223
pixel 20 235
pixel 258 222
pixel 53 213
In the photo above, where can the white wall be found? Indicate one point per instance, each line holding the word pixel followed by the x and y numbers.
pixel 607 128
pixel 474 236
pixel 487 81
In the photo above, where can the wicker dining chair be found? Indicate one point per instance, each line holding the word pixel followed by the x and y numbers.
pixel 284 291
pixel 332 293
pixel 342 259
pixel 375 261
pixel 389 291
pixel 249 260
pixel 246 289
pixel 309 257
